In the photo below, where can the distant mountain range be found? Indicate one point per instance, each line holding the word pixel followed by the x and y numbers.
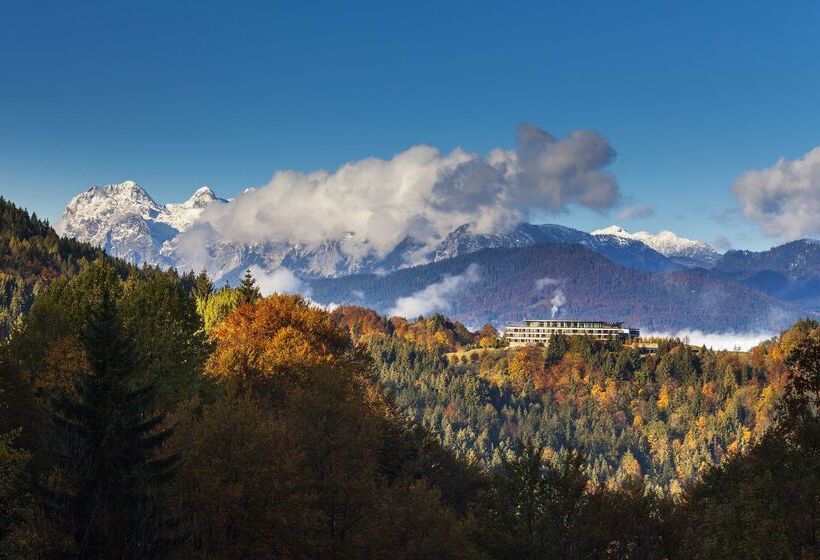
pixel 513 284
pixel 127 222
pixel 642 277
pixel 686 252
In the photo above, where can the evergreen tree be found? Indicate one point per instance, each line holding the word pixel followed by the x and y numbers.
pixel 104 490
pixel 203 287
pixel 249 289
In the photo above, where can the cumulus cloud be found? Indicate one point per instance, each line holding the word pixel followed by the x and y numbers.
pixel 373 204
pixel 717 341
pixel 280 281
pixel 783 199
pixel 636 211
pixel 437 296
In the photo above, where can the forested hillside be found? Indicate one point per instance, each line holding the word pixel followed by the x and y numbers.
pixel 31 255
pixel 517 283
pixel 790 271
pixel 145 414
pixel 666 416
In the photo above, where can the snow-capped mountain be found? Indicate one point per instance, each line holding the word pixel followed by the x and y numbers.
pixel 687 252
pixel 182 216
pixel 630 253
pixel 126 222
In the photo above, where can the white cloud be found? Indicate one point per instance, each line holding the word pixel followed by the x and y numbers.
pixel 280 281
pixel 717 341
pixel 420 193
pixel 435 297
pixel 636 211
pixel 783 199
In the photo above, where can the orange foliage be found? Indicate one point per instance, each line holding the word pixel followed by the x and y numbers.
pixel 278 334
pixel 360 323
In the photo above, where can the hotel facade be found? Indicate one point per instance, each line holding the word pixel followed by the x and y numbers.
pixel 539 331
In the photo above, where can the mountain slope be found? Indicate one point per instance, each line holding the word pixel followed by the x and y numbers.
pixel 790 271
pixel 686 252
pixel 626 252
pixel 592 286
pixel 31 256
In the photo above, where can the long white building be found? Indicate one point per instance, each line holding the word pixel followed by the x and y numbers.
pixel 539 331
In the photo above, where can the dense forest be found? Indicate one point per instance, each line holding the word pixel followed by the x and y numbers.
pixel 667 415
pixel 146 414
pixel 32 254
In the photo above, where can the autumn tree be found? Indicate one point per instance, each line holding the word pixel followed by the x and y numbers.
pixel 279 338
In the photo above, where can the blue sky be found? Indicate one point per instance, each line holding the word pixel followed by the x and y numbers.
pixel 183 94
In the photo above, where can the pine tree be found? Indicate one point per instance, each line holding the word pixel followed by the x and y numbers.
pixel 203 287
pixel 104 492
pixel 249 289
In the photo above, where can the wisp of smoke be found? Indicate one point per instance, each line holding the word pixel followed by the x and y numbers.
pixel 372 205
pixel 542 283
pixel 437 296
pixel 557 301
pixel 558 297
pixel 716 341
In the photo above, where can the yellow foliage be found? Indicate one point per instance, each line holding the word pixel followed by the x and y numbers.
pixel 280 333
pixel 663 397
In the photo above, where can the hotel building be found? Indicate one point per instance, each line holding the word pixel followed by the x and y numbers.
pixel 540 331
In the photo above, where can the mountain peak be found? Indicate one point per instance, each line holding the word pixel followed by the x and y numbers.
pixel 201 198
pixel 204 192
pixel 128 187
pixel 613 230
pixel 690 252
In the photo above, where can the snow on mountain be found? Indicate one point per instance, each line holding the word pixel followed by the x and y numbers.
pixel 182 216
pixel 687 252
pixel 126 222
pixel 631 253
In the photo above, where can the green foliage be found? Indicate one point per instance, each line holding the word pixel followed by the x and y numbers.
pixel 248 289
pixel 766 503
pixel 104 490
pixel 666 416
pixel 31 256
pixel 541 509
pixel 16 503
pixel 215 306
pixel 159 315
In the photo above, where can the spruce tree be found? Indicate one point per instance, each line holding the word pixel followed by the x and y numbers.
pixel 105 490
pixel 203 287
pixel 248 288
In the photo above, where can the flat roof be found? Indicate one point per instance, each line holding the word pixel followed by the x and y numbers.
pixel 556 321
